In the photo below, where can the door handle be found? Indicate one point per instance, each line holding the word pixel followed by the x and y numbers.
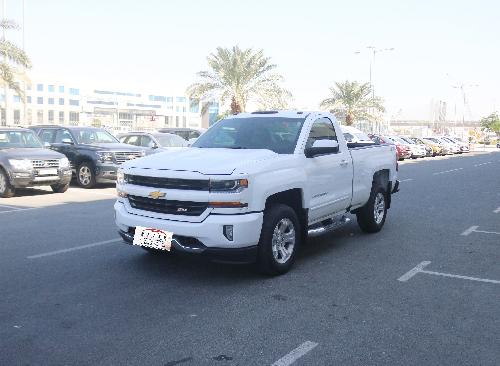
pixel 343 163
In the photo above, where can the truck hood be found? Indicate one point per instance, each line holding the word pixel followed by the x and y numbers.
pixel 31 153
pixel 204 161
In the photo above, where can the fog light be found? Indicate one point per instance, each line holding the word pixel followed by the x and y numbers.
pixel 121 194
pixel 228 232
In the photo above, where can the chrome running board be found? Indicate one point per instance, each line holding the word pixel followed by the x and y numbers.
pixel 327 227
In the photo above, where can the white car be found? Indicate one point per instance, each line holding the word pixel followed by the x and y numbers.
pixel 464 147
pixel 353 135
pixel 417 151
pixel 253 187
pixel 453 146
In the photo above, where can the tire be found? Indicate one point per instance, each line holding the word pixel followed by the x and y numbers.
pixel 85 175
pixel 59 188
pixel 275 259
pixel 369 217
pixel 6 190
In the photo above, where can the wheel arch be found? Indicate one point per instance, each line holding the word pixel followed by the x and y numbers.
pixel 293 198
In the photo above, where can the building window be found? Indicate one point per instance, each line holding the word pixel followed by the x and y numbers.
pixel 184 109
pixel 16 98
pixel 181 99
pixel 168 120
pixel 74 91
pixel 184 121
pixel 39 116
pixel 29 116
pixel 28 86
pixel 123 115
pixel 194 105
pixel 157 98
pixel 177 109
pixel 74 102
pixel 39 100
pixel 51 100
pixel 39 87
pixel 28 99
pixel 51 88
pixel 61 101
pixel 61 116
pixel 17 116
pixel 177 119
pixel 74 118
pixel 170 107
pixel 170 99
pixel 61 89
pixel 51 116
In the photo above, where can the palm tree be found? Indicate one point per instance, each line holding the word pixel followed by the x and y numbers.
pixel 353 102
pixel 237 76
pixel 10 57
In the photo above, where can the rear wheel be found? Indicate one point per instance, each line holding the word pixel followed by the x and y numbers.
pixel 279 240
pixel 6 190
pixel 371 217
pixel 85 175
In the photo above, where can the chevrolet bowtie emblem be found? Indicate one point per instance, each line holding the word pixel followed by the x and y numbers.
pixel 156 194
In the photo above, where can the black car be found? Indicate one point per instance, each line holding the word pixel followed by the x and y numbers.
pixel 94 154
pixel 24 162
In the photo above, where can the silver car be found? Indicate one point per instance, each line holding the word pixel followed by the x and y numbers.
pixel 154 142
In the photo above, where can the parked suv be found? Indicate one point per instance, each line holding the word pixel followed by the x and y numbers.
pixel 153 142
pixel 94 154
pixel 24 163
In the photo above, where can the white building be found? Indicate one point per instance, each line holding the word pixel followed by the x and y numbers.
pixel 67 104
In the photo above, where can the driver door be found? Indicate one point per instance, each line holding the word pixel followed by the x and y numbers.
pixel 329 176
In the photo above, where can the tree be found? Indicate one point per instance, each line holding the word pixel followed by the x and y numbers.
pixel 491 123
pixel 11 57
pixel 237 76
pixel 351 102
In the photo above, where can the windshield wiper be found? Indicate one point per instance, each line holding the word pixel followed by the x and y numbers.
pixel 236 147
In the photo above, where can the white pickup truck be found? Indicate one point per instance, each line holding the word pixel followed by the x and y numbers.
pixel 253 188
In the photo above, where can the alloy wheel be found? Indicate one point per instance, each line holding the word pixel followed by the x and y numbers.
pixel 283 241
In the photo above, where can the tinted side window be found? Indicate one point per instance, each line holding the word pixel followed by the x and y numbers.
pixel 62 134
pixel 194 134
pixel 146 141
pixel 48 135
pixel 322 129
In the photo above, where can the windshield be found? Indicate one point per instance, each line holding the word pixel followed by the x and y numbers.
pixel 432 139
pixel 18 139
pixel 278 134
pixel 168 140
pixel 407 140
pixel 93 136
pixel 398 140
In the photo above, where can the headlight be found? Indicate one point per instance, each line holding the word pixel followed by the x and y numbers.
pixel 21 164
pixel 120 177
pixel 105 156
pixel 64 163
pixel 233 186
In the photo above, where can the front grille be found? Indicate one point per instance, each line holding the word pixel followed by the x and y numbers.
pixel 52 163
pixel 168 183
pixel 123 156
pixel 186 208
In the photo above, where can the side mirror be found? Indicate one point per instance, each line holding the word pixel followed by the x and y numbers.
pixel 46 145
pixel 67 141
pixel 322 147
pixel 192 141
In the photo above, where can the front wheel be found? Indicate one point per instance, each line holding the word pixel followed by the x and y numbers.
pixel 59 188
pixel 6 190
pixel 85 175
pixel 279 240
pixel 371 217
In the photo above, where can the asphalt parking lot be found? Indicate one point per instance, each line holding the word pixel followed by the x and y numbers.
pixel 423 291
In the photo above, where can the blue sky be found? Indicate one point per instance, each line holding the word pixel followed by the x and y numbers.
pixel 160 45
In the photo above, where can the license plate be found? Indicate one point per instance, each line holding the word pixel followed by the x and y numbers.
pixel 47 171
pixel 152 238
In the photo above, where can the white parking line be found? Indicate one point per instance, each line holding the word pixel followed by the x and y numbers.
pixel 91 192
pixel 420 269
pixel 11 207
pixel 473 229
pixel 489 162
pixel 406 180
pixel 74 248
pixel 297 353
pixel 20 209
pixel 447 171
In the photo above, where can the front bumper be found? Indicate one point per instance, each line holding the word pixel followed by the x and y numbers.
pixel 31 178
pixel 106 172
pixel 205 238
